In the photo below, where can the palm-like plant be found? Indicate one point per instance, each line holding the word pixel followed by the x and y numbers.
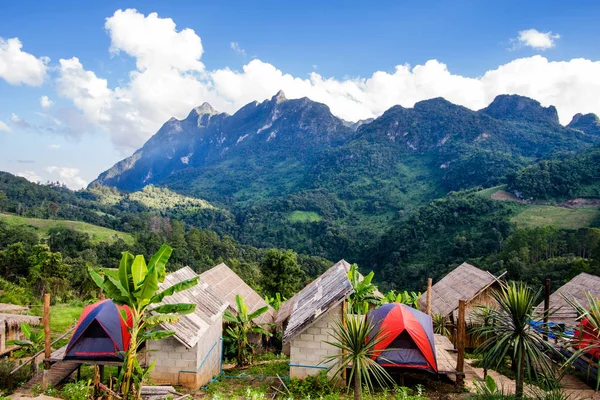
pixel 441 324
pixel 137 287
pixel 241 326
pixel 364 291
pixel 581 345
pixel 356 342
pixel 510 334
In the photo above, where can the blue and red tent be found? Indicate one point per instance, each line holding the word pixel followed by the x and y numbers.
pixel 101 333
pixel 408 337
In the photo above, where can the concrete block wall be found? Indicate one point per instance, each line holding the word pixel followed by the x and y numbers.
pixel 308 349
pixel 209 350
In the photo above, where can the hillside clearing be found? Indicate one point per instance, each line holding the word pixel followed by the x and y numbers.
pixel 531 216
pixel 304 216
pixel 42 226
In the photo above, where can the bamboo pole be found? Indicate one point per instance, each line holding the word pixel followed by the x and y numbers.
pixel 47 338
pixel 460 342
pixel 547 287
pixel 429 284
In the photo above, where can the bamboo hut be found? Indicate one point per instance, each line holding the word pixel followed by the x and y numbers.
pixel 10 329
pixel 192 357
pixel 576 289
pixel 311 315
pixel 464 282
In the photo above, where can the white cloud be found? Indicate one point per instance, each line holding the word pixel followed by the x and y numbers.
pixel 45 102
pixel 18 121
pixel 4 127
pixel 18 67
pixel 54 146
pixel 31 176
pixel 68 176
pixel 536 39
pixel 169 80
pixel 235 46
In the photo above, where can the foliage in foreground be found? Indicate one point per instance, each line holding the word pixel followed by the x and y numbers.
pixel 356 341
pixel 34 342
pixel 364 291
pixel 509 335
pixel 138 288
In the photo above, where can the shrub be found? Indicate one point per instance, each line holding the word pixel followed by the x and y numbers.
pixel 22 375
pixel 77 391
pixel 314 386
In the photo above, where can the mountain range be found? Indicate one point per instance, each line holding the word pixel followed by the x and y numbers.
pixel 291 173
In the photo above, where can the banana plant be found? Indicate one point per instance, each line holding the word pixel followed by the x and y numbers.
pixel 241 326
pixel 137 287
pixel 364 291
pixel 33 343
pixel 410 299
pixel 275 301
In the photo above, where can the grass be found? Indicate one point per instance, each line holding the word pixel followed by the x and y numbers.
pixel 42 226
pixel 531 216
pixel 304 216
pixel 62 316
pixel 487 193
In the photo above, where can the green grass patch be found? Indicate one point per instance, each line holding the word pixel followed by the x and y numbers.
pixel 304 216
pixel 42 226
pixel 62 316
pixel 531 216
pixel 487 193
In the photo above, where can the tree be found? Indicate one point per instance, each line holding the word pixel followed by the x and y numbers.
pixel 137 287
pixel 510 334
pixel 281 273
pixel 356 342
pixel 241 326
pixel 3 201
pixel 53 208
pixel 364 291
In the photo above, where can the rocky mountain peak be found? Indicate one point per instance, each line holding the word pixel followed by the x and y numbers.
pixel 588 123
pixel 515 107
pixel 205 108
pixel 279 97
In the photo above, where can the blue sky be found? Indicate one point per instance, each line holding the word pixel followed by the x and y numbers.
pixel 104 104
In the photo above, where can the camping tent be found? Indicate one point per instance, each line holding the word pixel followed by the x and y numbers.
pixel 408 340
pixel 101 333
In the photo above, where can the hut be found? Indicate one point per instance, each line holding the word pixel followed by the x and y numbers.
pixel 577 288
pixel 465 282
pixel 10 329
pixel 7 308
pixel 311 315
pixel 227 285
pixel 192 357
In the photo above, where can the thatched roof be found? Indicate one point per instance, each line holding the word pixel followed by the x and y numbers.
pixel 285 309
pixel 12 308
pixel 576 288
pixel 14 320
pixel 316 299
pixel 464 282
pixel 209 306
pixel 227 284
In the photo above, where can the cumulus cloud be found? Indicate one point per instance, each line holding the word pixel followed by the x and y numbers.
pixel 235 46
pixel 31 176
pixel 68 176
pixel 4 127
pixel 169 80
pixel 535 39
pixel 18 67
pixel 45 102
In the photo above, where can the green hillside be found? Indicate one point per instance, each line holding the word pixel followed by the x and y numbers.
pixel 41 226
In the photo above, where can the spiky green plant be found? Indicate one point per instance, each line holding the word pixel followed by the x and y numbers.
pixel 441 324
pixel 510 334
pixel 356 341
pixel 241 326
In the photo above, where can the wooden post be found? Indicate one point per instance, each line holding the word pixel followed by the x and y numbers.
pixel 547 288
pixel 47 348
pixel 460 343
pixel 429 284
pixel 101 295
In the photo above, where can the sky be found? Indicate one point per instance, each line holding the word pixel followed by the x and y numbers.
pixel 85 84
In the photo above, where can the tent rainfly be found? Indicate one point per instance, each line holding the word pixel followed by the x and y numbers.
pixel 576 288
pixel 408 340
